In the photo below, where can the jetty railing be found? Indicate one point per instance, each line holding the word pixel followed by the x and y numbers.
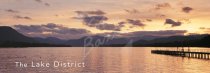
pixel 190 53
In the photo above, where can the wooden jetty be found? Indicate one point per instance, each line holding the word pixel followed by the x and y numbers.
pixel 199 55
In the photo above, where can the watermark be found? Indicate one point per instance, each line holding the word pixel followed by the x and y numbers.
pixel 91 42
pixel 54 64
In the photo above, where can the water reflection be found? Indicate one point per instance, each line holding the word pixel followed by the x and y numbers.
pixel 101 60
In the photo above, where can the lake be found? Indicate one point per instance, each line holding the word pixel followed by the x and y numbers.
pixel 97 60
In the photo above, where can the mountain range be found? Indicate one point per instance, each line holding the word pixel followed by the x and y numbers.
pixel 11 38
pixel 9 34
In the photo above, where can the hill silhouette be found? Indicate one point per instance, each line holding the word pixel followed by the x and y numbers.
pixel 9 34
pixel 50 40
pixel 11 38
pixel 178 41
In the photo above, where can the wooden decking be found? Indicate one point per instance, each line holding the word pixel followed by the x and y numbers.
pixel 199 55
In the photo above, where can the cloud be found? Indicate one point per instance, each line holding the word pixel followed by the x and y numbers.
pixel 172 22
pixel 133 11
pixel 51 29
pixel 161 15
pixel 56 15
pixel 149 20
pixel 135 22
pixel 121 23
pixel 96 19
pixel 12 11
pixel 97 12
pixel 162 6
pixel 52 26
pixel 93 20
pixel 40 1
pixel 187 9
pixel 22 17
pixel 106 26
pixel 46 4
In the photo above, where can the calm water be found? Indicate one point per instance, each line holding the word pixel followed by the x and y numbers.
pixel 100 60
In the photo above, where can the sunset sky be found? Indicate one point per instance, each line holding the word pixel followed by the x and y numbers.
pixel 62 18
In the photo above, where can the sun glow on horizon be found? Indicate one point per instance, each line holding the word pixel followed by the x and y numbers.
pixel 121 16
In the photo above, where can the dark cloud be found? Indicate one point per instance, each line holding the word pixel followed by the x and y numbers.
pixel 39 1
pixel 162 6
pixel 97 12
pixel 121 23
pixel 56 15
pixel 93 20
pixel 96 19
pixel 74 31
pixel 106 26
pixel 22 17
pixel 12 11
pixel 52 26
pixel 133 11
pixel 161 15
pixel 44 3
pixel 172 22
pixel 135 22
pixel 54 30
pixel 187 9
pixel 29 29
